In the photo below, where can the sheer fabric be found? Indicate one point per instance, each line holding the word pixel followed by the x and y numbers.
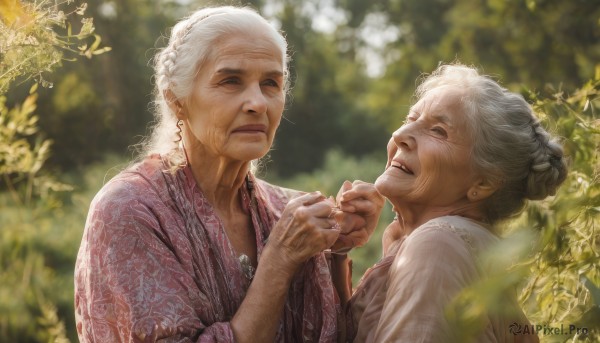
pixel 402 298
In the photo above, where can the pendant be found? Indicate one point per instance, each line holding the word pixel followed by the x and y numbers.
pixel 247 267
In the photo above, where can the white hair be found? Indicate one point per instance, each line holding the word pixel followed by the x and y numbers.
pixel 510 147
pixel 176 66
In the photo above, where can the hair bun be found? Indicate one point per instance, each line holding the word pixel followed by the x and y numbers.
pixel 548 169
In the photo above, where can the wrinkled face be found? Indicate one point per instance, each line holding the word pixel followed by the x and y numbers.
pixel 238 98
pixel 429 156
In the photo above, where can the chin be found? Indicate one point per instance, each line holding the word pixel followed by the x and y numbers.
pixel 384 185
pixel 250 154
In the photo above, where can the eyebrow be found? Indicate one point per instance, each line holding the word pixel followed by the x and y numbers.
pixel 234 71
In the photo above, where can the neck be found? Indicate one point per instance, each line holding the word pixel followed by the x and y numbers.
pixel 220 179
pixel 411 217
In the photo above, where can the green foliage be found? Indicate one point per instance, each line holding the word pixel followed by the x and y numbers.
pixel 555 244
pixel 569 224
pixel 324 108
pixel 38 247
pixel 21 162
pixel 32 45
pixel 34 247
pixel 535 42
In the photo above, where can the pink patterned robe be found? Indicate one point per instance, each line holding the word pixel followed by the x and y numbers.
pixel 155 264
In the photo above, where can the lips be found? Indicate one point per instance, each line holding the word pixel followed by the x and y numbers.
pixel 252 128
pixel 402 166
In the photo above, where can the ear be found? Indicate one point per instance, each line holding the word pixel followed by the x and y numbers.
pixel 481 189
pixel 174 104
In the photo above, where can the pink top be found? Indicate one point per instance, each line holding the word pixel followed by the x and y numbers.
pixel 155 264
pixel 403 297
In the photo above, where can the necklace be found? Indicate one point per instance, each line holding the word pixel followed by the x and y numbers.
pixel 247 267
pixel 245 262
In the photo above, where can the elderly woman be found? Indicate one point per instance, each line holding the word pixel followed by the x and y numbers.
pixel 468 156
pixel 187 245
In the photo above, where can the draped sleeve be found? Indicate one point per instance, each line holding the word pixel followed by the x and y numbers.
pixel 131 285
pixel 155 265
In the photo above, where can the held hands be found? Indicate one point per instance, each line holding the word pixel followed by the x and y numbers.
pixel 312 223
pixel 359 208
pixel 306 228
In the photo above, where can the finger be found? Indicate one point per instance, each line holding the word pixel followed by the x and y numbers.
pixel 361 189
pixel 358 237
pixel 360 206
pixel 350 222
pixel 326 223
pixel 342 245
pixel 322 209
pixel 309 198
pixel 330 236
pixel 347 185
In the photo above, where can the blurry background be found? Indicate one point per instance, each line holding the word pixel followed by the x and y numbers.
pixel 354 68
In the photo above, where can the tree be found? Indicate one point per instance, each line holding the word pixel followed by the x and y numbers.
pixel 325 110
pixel 36 38
pixel 533 42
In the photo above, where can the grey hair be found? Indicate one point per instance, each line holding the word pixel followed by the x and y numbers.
pixel 510 147
pixel 176 65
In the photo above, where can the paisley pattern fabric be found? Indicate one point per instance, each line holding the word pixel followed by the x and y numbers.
pixel 155 264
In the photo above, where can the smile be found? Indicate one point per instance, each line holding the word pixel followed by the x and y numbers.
pixel 402 167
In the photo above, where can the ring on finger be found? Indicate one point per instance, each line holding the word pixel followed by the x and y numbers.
pixel 333 211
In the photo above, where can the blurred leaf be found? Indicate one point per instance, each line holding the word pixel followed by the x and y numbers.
pixel 592 288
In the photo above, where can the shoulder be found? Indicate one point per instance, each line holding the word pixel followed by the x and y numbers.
pixel 437 244
pixel 452 232
pixel 137 186
pixel 434 233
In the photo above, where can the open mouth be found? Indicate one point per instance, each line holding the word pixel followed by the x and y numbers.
pixel 403 168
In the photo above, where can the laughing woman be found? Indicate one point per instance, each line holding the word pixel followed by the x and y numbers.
pixel 469 155
pixel 187 245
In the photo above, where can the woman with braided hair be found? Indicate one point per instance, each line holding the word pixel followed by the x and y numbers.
pixel 187 245
pixel 469 155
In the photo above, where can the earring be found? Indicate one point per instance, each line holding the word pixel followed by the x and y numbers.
pixel 474 194
pixel 178 133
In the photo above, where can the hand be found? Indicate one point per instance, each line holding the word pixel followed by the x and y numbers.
pixel 306 228
pixel 360 206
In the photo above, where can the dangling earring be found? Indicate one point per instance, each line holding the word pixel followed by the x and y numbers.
pixel 178 133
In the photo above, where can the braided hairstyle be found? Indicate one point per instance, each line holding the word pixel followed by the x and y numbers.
pixel 177 64
pixel 510 147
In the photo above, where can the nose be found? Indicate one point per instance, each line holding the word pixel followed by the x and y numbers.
pixel 255 101
pixel 404 138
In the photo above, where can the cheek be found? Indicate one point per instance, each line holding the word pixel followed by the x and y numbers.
pixel 436 165
pixel 207 131
pixel 275 115
pixel 431 180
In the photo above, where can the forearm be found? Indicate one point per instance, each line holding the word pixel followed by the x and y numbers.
pixel 341 276
pixel 259 314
